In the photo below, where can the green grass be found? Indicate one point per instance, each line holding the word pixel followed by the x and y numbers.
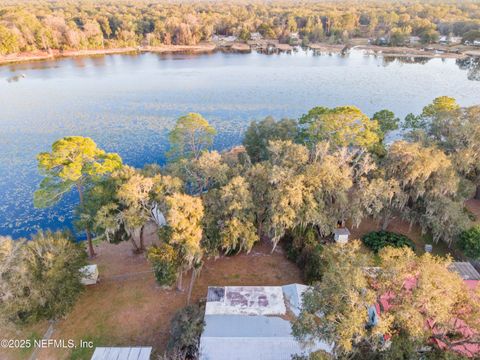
pixel 86 352
pixel 32 337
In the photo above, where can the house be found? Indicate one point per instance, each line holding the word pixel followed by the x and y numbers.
pixel 255 36
pixel 467 272
pixel 454 40
pixel 443 40
pixel 466 344
pixel 223 40
pixel 414 40
pixel 252 322
pixel 476 42
pixel 123 353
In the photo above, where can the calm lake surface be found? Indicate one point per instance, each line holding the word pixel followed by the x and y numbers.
pixel 128 103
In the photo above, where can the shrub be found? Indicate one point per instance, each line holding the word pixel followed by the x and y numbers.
pixel 186 328
pixel 376 240
pixel 41 278
pixel 469 242
pixel 164 262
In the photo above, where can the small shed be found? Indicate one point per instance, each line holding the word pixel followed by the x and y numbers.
pixel 89 274
pixel 122 353
pixel 341 235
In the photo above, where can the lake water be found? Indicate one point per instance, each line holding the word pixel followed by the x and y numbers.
pixel 128 103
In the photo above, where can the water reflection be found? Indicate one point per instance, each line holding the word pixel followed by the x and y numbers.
pixel 15 78
pixel 472 65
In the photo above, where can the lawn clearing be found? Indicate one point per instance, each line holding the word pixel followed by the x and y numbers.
pixel 128 308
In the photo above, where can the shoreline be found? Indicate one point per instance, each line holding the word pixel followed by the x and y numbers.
pixel 203 48
pixel 58 54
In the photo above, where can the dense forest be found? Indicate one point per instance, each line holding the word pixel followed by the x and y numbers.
pixel 62 25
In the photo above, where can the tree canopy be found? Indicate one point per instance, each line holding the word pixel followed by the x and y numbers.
pixel 40 278
pixel 74 161
pixel 191 135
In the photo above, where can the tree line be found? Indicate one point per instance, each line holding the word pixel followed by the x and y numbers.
pixel 45 25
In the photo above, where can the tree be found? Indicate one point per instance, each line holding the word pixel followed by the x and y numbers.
pixel 429 36
pixel 419 301
pixel 341 126
pixel 471 36
pixel 285 194
pixel 386 121
pixel 202 173
pixel 469 242
pixel 229 218
pixel 74 161
pixel 430 185
pixel 335 310
pixel 426 300
pixel 191 135
pixel 381 199
pixel 185 330
pixel 8 41
pixel 457 131
pixel 130 208
pixel 164 260
pixel 41 278
pixel 258 135
pixel 184 232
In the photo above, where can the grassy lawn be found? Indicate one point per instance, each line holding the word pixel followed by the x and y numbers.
pixel 127 308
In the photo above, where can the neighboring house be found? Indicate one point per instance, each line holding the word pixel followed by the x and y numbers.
pixel 476 42
pixel 223 40
pixel 467 345
pixel 255 36
pixel 122 353
pixel 443 40
pixel 253 322
pixel 454 40
pixel 467 272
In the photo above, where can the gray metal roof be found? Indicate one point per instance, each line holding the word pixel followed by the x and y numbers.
pixel 244 337
pixel 122 353
pixel 245 326
pixel 465 270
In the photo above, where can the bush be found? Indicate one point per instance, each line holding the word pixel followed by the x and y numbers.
pixel 469 242
pixel 376 240
pixel 41 278
pixel 186 328
pixel 164 262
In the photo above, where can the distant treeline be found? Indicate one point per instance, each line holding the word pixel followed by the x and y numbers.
pixel 61 25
